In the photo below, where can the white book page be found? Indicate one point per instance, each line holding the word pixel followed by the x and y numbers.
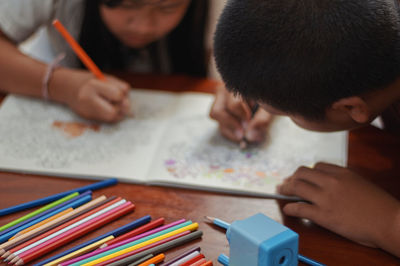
pixel 194 153
pixel 47 138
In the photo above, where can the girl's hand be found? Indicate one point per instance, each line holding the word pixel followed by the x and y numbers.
pixel 106 101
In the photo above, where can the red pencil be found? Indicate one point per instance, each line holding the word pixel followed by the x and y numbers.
pixel 33 240
pixel 123 256
pixel 192 260
pixel 64 238
pixel 199 262
pixel 135 232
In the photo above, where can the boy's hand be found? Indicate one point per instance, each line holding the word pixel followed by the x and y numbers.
pixel 345 203
pixel 106 101
pixel 234 118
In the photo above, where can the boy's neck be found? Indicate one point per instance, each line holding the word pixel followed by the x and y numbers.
pixel 380 100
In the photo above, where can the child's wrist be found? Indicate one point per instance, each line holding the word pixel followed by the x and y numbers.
pixel 389 239
pixel 65 84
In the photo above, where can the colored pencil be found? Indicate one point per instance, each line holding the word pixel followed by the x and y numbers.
pixel 185 258
pixel 157 259
pixel 180 256
pixel 57 229
pixel 117 232
pixel 140 230
pixel 74 204
pixel 42 201
pixel 80 251
pixel 191 227
pixel 155 244
pixel 199 262
pixel 45 213
pixel 128 242
pixel 85 228
pixel 82 55
pixel 38 231
pixel 207 263
pixel 193 260
pixel 79 222
pixel 34 213
pixel 161 248
pixel 149 256
pixel 52 218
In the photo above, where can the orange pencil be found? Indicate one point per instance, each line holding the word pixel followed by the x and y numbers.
pixel 208 263
pixel 43 222
pixel 157 259
pixel 83 56
pixel 192 260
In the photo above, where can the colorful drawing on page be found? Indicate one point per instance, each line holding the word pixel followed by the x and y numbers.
pixel 208 156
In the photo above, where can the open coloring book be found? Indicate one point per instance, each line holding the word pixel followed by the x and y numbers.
pixel 170 141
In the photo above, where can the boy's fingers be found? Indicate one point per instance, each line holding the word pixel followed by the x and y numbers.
pixel 257 128
pixel 312 176
pixel 261 120
pixel 231 134
pixel 301 209
pixel 299 188
pixel 238 108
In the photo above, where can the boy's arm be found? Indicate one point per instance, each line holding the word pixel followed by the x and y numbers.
pixel 345 203
pixel 78 89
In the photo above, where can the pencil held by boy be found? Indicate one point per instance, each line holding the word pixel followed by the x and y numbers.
pixel 329 65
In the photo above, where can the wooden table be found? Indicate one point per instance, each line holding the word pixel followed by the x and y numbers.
pixel 372 153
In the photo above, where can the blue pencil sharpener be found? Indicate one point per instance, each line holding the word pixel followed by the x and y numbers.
pixel 260 241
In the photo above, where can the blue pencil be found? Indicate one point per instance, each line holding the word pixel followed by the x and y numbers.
pixel 115 233
pixel 27 205
pixel 45 213
pixel 74 204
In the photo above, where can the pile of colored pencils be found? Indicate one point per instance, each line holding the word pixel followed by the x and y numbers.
pixel 191 257
pixel 141 242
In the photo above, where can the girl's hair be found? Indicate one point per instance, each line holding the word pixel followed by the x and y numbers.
pixel 185 44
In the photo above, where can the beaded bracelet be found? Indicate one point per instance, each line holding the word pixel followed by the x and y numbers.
pixel 49 71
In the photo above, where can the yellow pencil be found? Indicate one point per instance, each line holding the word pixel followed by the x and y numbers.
pixel 191 227
pixel 81 251
pixel 43 222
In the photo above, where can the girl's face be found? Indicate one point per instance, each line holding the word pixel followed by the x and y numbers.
pixel 137 23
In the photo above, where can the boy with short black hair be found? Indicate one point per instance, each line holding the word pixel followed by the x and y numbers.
pixel 329 65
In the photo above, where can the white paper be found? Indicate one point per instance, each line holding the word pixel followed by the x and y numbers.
pixel 171 141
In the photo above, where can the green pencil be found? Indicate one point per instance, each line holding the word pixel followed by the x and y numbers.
pixel 38 211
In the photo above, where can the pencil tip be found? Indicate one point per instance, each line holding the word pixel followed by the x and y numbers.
pixel 209 219
pixel 11 256
pixel 8 253
pixel 14 260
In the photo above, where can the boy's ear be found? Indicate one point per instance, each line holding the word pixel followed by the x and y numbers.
pixel 355 107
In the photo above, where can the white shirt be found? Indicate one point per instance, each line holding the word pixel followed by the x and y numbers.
pixel 21 19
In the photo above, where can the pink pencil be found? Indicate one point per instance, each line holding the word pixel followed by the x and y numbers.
pixel 65 235
pixel 101 250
